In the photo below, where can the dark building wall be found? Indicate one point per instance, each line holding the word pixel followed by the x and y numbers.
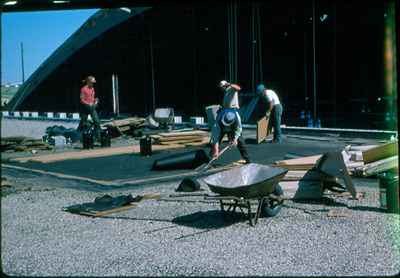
pixel 190 56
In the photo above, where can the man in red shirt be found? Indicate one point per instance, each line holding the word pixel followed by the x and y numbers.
pixel 88 104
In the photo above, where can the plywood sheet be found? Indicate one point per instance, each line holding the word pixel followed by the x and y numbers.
pixel 262 129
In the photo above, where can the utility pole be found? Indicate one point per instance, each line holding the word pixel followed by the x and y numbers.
pixel 22 62
pixel 314 22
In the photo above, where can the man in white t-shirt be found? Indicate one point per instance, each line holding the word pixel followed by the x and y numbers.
pixel 231 98
pixel 274 110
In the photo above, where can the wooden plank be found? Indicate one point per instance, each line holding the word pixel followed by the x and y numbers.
pixel 172 138
pixel 107 212
pixel 306 160
pixel 380 152
pixel 262 129
pixel 180 141
pixel 183 133
pixel 362 148
pixel 380 166
pixel 101 152
pixel 339 213
pixel 195 144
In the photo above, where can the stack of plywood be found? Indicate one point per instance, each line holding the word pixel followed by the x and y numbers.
pixel 22 143
pixel 190 138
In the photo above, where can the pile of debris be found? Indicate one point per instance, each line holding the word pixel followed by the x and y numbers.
pixel 187 138
pixel 125 126
pixel 309 176
pixel 22 143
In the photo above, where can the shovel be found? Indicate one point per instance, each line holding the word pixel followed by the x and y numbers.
pixel 191 184
pixel 205 166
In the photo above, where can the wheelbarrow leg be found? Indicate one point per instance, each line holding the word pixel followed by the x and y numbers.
pixel 249 214
pixel 260 205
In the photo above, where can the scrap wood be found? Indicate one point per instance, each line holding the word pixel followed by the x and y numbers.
pixel 106 204
pixel 172 138
pixel 339 213
pixel 361 148
pixel 180 141
pixel 380 152
pixel 183 133
pixel 376 167
pixel 306 160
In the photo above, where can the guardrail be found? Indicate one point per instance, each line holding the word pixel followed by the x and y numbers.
pixel 54 116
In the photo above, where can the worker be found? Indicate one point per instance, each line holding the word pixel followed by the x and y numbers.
pixel 274 110
pixel 88 105
pixel 228 122
pixel 231 99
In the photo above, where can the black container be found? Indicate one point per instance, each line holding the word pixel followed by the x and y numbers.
pixel 88 138
pixel 145 146
pixel 188 160
pixel 105 138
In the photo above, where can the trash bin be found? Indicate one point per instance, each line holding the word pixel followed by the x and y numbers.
pixel 88 138
pixel 105 138
pixel 188 160
pixel 145 146
pixel 389 191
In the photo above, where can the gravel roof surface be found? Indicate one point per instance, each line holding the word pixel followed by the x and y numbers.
pixel 186 236
pixel 190 236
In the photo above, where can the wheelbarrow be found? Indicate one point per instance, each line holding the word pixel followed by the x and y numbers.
pixel 237 187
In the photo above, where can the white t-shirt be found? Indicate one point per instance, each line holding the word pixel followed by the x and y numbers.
pixel 231 99
pixel 272 97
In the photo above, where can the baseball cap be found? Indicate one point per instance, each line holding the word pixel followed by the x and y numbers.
pixel 228 119
pixel 260 88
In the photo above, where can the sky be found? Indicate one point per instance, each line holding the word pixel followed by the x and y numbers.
pixel 40 32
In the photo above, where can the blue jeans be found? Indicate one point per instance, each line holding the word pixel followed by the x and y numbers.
pixel 276 116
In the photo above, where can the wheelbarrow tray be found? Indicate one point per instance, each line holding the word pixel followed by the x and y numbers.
pixel 248 181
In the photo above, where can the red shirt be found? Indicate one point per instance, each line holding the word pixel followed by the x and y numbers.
pixel 87 95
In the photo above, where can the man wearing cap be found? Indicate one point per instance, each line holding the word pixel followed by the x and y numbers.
pixel 88 104
pixel 228 122
pixel 231 99
pixel 274 109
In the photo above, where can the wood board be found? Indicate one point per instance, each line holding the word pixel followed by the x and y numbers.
pixel 184 133
pixel 101 152
pixel 380 152
pixel 262 129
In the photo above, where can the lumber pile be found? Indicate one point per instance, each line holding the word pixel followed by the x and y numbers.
pixel 373 159
pixel 190 138
pixel 22 143
pixel 124 126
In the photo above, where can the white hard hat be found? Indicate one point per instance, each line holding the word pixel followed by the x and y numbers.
pixel 223 83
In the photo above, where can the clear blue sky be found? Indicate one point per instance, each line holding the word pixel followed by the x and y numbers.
pixel 41 33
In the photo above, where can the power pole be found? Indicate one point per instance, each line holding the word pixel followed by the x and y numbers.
pixel 22 62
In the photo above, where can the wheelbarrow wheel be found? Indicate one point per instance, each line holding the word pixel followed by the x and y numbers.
pixel 272 207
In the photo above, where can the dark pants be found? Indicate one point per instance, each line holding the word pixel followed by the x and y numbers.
pixel 275 120
pixel 85 111
pixel 241 145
